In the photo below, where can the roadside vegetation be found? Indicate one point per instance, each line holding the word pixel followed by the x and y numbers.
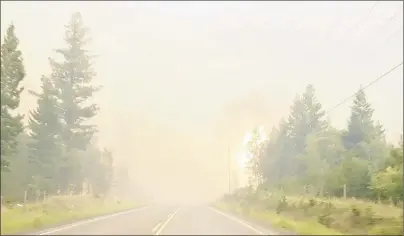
pixel 314 215
pixel 52 168
pixel 57 210
pixel 311 178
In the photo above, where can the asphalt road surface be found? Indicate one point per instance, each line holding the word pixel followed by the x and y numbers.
pixel 163 220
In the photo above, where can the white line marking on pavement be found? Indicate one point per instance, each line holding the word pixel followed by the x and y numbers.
pixel 156 227
pixel 170 217
pixel 91 220
pixel 239 221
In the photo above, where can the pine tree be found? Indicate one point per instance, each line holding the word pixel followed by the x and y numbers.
pixel 72 78
pixel 360 124
pixel 45 146
pixel 255 147
pixel 12 73
pixel 16 179
pixel 269 155
pixel 306 117
pixel 278 154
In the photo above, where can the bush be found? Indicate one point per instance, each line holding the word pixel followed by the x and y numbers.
pixel 37 222
pixel 325 218
pixel 312 202
pixel 282 205
pixel 369 216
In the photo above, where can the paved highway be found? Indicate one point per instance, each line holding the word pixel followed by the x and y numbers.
pixel 163 220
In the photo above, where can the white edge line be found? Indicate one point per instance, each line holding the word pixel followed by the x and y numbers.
pixel 171 216
pixel 89 221
pixel 156 227
pixel 238 221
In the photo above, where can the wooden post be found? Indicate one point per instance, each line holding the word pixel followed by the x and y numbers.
pixel 229 169
pixel 25 196
pixel 344 191
pixel 322 192
pixel 38 194
pixel 322 183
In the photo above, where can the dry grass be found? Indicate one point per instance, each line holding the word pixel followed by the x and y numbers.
pixel 279 222
pixel 56 210
pixel 345 216
pixel 381 210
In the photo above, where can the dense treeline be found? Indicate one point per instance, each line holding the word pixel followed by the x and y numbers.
pixel 55 152
pixel 305 154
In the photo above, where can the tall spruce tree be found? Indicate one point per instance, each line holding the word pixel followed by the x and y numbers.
pixel 360 123
pixel 306 117
pixel 45 128
pixel 73 80
pixel 12 73
pixel 73 77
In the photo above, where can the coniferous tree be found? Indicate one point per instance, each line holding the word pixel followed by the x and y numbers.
pixel 360 123
pixel 45 147
pixel 73 77
pixel 306 118
pixel 12 73
pixel 73 80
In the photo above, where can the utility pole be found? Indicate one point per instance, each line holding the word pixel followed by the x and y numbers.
pixel 229 168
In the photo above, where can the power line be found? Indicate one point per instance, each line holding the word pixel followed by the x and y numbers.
pixel 393 35
pixel 395 14
pixel 367 86
pixel 391 19
pixel 363 17
pixel 373 6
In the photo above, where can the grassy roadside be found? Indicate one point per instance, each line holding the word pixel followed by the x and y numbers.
pixel 314 216
pixel 277 222
pixel 57 210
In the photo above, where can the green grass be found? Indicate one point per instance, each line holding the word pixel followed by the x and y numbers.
pixel 311 215
pixel 278 222
pixel 381 210
pixel 57 210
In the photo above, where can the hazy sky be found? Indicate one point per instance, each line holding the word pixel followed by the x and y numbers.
pixel 192 77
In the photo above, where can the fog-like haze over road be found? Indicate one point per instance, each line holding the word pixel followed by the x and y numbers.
pixel 182 82
pixel 163 220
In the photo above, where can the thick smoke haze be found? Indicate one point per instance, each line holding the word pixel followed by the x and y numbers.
pixel 184 81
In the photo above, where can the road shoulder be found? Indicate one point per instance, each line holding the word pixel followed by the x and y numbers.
pixel 73 223
pixel 265 229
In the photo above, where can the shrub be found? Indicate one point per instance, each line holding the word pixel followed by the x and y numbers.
pixel 282 205
pixel 37 222
pixel 312 202
pixel 325 218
